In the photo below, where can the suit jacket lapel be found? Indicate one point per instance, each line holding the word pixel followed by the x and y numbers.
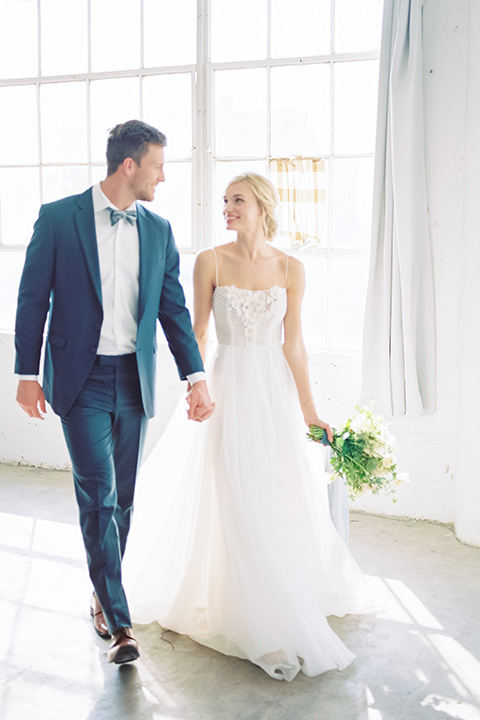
pixel 147 264
pixel 84 220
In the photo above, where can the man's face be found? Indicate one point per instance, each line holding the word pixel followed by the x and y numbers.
pixel 146 176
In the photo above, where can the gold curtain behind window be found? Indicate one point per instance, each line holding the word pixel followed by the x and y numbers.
pixel 301 188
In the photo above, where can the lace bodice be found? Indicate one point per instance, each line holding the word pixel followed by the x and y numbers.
pixel 249 317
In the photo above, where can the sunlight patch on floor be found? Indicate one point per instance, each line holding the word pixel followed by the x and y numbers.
pixel 42 536
pixel 451 708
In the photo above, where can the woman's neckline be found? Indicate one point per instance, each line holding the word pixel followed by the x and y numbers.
pixel 226 287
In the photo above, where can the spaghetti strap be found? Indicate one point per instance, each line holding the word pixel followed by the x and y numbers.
pixel 216 267
pixel 286 270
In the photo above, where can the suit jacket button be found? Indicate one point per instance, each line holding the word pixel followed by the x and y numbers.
pixel 97 326
pixel 93 350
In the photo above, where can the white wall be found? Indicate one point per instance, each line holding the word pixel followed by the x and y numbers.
pixel 468 473
pixel 427 448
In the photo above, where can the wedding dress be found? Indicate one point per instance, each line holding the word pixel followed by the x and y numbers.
pixel 231 541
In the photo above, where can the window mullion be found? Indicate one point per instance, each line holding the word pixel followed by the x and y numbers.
pixel 329 314
pixel 202 155
pixel 39 110
pixel 269 81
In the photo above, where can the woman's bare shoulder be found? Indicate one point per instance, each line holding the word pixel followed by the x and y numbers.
pixel 296 273
pixel 205 263
pixel 225 250
pixel 295 265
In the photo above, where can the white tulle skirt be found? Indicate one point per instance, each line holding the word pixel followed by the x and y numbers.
pixel 231 541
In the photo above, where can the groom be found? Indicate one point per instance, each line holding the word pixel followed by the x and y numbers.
pixel 104 268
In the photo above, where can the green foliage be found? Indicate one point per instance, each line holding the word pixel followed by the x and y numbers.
pixel 363 453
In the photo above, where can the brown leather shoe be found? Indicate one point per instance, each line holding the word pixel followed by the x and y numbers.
pixel 124 647
pixel 99 622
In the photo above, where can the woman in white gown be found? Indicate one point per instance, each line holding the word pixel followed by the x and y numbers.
pixel 231 541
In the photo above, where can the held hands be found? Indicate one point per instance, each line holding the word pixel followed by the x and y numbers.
pixel 200 406
pixel 31 399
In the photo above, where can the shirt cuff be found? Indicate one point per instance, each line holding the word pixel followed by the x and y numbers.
pixel 27 377
pixel 196 377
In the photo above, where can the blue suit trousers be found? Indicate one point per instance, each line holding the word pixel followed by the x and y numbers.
pixel 105 432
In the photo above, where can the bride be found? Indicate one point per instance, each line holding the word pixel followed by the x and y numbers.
pixel 231 541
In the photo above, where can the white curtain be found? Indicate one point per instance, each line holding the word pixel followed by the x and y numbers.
pixel 399 331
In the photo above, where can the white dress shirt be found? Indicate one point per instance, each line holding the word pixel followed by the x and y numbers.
pixel 119 258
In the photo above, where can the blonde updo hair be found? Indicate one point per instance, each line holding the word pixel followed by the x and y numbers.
pixel 267 199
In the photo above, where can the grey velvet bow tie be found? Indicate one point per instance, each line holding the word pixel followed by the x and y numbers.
pixel 129 215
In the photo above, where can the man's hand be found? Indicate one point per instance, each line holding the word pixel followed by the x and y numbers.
pixel 200 406
pixel 31 399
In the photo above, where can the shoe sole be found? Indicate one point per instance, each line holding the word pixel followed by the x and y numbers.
pixel 125 655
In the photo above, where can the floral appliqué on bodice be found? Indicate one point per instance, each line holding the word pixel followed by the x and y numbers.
pixel 260 311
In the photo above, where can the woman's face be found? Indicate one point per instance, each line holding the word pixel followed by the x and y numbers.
pixel 241 209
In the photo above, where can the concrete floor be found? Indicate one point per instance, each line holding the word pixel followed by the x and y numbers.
pixel 420 659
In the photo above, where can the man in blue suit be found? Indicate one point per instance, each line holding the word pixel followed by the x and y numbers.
pixel 103 269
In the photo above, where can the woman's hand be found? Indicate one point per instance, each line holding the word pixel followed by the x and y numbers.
pixel 315 420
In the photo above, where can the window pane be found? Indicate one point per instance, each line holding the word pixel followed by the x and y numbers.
pixel 20 201
pixel 18 125
pixel 303 31
pixel 356 88
pixel 64 37
pixel 187 261
pixel 18 49
pixel 358 25
pixel 112 102
pixel 167 105
pixel 11 266
pixel 170 32
pixel 173 201
pixel 64 122
pixel 314 306
pixel 347 302
pixel 59 182
pixel 238 33
pixel 115 34
pixel 240 113
pixel 224 173
pixel 99 173
pixel 300 110
pixel 352 202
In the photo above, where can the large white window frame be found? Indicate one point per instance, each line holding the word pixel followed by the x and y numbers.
pixel 204 204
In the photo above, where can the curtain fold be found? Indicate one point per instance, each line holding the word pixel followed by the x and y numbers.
pixel 399 331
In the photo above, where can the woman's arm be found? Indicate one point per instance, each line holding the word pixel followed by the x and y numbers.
pixel 294 349
pixel 203 287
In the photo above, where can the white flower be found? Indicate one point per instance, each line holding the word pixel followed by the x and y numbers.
pixel 360 424
pixel 388 461
pixel 252 306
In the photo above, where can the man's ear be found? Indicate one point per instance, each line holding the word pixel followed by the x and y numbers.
pixel 128 165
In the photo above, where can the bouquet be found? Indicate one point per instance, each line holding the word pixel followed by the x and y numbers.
pixel 363 453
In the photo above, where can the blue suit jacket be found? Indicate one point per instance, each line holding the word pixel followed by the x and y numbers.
pixel 61 278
